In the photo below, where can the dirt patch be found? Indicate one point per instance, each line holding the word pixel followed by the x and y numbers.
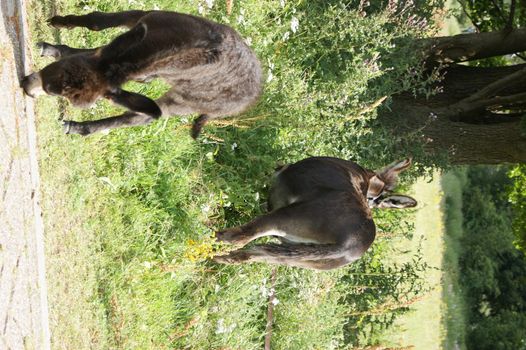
pixel 23 298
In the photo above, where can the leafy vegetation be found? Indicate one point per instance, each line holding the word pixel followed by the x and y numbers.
pixel 490 269
pixel 129 215
pixel 488 15
pixel 455 308
pixel 518 200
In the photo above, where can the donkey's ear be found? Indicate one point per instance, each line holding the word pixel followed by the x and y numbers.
pixel 376 187
pixel 396 201
pixel 135 102
pixel 401 166
pixel 123 42
pixel 390 173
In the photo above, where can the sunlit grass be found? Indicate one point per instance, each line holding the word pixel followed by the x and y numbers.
pixel 124 212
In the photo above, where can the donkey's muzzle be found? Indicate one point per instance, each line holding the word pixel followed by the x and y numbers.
pixel 31 84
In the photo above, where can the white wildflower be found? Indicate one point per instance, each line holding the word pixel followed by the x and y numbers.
pixel 275 301
pixel 200 9
pixel 286 36
pixel 205 208
pixel 282 3
pixel 269 76
pixel 256 196
pixel 248 41
pixel 234 146
pixel 294 24
pixel 209 3
pixel 221 328
pixel 147 264
pixel 241 17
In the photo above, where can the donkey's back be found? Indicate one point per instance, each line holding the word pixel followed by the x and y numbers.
pixel 211 70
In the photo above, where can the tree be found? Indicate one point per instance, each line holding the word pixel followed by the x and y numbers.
pixel 477 116
pixel 366 74
pixel 518 200
pixel 502 332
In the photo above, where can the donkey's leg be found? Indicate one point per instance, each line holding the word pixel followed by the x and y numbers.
pixel 296 222
pixel 167 107
pixel 99 20
pixel 59 51
pixel 265 225
pixel 310 256
pixel 127 119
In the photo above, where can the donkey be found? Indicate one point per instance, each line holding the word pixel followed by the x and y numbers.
pixel 212 72
pixel 320 211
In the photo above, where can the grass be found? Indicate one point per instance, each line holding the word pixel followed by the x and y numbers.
pixel 119 213
pixel 128 216
pixel 454 306
pixel 421 327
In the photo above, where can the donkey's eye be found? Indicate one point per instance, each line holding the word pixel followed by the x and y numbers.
pixel 52 89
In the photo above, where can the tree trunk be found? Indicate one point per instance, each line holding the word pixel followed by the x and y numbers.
pixel 480 138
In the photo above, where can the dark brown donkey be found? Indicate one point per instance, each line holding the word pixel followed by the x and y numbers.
pixel 320 211
pixel 211 70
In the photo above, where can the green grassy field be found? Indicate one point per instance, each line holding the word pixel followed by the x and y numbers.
pixel 454 320
pixel 128 215
pixel 438 319
pixel 421 327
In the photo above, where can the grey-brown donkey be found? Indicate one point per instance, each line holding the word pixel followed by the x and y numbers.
pixel 212 72
pixel 320 211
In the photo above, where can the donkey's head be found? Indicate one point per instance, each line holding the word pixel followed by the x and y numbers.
pixel 74 78
pixel 83 78
pixel 381 184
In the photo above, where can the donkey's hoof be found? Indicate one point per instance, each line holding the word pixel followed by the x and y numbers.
pixel 59 22
pixel 66 126
pixel 233 258
pixel 71 127
pixel 47 50
pixel 232 235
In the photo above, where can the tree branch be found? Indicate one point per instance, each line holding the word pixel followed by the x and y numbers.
pixel 466 110
pixel 493 88
pixel 468 15
pixel 509 25
pixel 474 46
pixel 485 118
pixel 499 10
pixel 500 101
